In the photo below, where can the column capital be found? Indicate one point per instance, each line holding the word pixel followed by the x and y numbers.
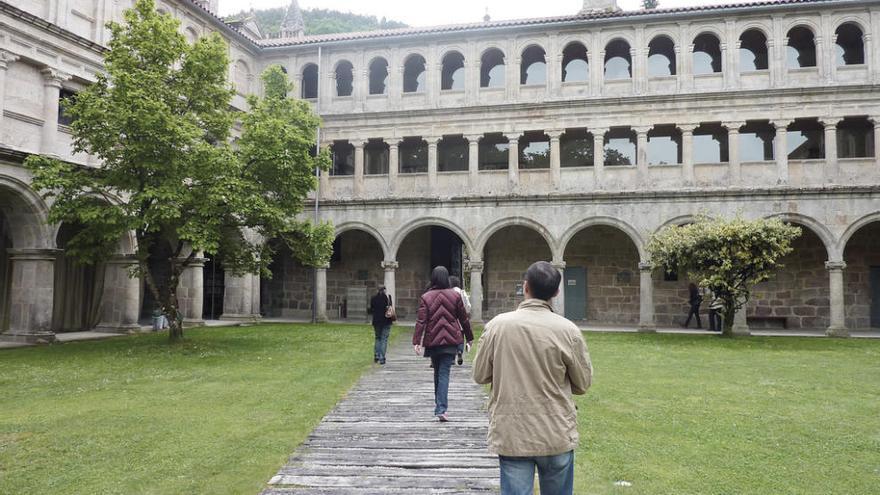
pixel 598 131
pixel 645 266
pixel 780 124
pixel 474 266
pixel 392 141
pixel 687 128
pixel 54 77
pixel 830 121
pixel 432 140
pixel 473 138
pixel 642 129
pixel 835 265
pixel 323 268
pixel 7 58
pixel 513 136
pixel 559 265
pixel 733 125
pixel 122 259
pixel 358 142
pixel 875 119
pixel 554 133
pixel 390 265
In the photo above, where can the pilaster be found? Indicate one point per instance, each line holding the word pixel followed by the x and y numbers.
pixel 6 58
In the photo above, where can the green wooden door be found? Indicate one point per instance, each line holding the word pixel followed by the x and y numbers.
pixel 575 286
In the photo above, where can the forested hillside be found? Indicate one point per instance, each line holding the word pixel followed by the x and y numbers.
pixel 320 21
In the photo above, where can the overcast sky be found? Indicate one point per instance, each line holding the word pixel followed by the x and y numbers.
pixel 434 12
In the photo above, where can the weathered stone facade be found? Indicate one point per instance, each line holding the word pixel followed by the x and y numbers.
pixel 571 139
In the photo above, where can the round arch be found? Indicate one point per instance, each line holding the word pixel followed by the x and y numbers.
pixel 624 227
pixel 409 228
pixel 349 226
pixel 755 26
pixel 817 228
pixel 855 227
pixel 677 221
pixel 489 231
pixel 28 225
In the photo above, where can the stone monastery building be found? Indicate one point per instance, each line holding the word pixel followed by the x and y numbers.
pixel 488 146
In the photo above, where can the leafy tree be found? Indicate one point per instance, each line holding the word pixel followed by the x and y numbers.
pixel 319 21
pixel 726 256
pixel 159 120
pixel 650 4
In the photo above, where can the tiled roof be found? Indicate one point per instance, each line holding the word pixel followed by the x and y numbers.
pixel 416 31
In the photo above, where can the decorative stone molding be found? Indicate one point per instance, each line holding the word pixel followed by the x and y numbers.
pixel 835 265
pixel 389 266
pixel 645 267
pixel 54 77
pixel 7 58
pixel 474 266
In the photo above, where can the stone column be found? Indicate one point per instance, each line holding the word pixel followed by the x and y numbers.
pixel 255 297
pixel 474 157
pixel 740 324
pixel 837 326
pixel 321 292
pixel 876 121
pixel 359 168
pixel 393 163
pixel 733 151
pixel 599 156
pixel 513 160
pixel 822 59
pixel 780 150
pixel 52 80
pixel 597 69
pixel 120 301
pixel 390 267
pixel 31 294
pixel 832 170
pixel 432 163
pixel 639 56
pixel 190 292
pixel 471 81
pixel 237 298
pixel 555 159
pixel 6 58
pixel 559 301
pixel 686 54
pixel 646 299
pixel 642 153
pixel 475 267
pixel 687 153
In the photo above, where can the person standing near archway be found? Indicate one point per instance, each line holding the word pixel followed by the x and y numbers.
pixel 441 325
pixel 379 305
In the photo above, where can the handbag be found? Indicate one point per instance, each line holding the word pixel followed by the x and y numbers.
pixel 390 313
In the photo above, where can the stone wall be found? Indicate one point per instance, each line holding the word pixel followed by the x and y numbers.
pixel 508 254
pixel 612 263
pixel 358 266
pixel 414 272
pixel 288 293
pixel 862 252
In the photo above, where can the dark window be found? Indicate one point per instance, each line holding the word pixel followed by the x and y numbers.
pixel 575 64
pixel 756 142
pixel 379 77
pixel 452 154
pixel 343 158
pixel 850 45
pixel 533 69
pixel 661 57
pixel 492 69
pixel 664 145
pixel 618 62
pixel 707 54
pixel 710 144
pixel 576 148
pixel 452 76
pixel 376 157
pixel 752 51
pixel 413 156
pixel 855 138
pixel 806 140
pixel 414 74
pixel 65 98
pixel 344 78
pixel 494 150
pixel 801 49
pixel 620 146
pixel 534 150
pixel 310 82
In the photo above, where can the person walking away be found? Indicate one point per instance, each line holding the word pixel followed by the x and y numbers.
pixel 716 305
pixel 455 282
pixel 440 323
pixel 694 300
pixel 535 360
pixel 379 305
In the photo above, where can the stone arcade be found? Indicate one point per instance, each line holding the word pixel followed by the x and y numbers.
pixel 487 146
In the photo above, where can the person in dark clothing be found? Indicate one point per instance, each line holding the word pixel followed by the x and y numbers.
pixel 441 325
pixel 381 324
pixel 694 299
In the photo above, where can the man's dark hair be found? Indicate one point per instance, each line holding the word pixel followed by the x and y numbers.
pixel 439 278
pixel 454 281
pixel 543 280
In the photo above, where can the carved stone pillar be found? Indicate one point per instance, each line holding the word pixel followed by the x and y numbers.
pixel 876 121
pixel 687 153
pixel 52 80
pixel 646 298
pixel 237 298
pixel 780 150
pixel 120 300
pixel 599 155
pixel 393 163
pixel 735 174
pixel 475 267
pixel 31 295
pixel 513 160
pixel 474 157
pixel 837 323
pixel 432 163
pixel 555 159
pixel 359 168
pixel 191 292
pixel 642 153
pixel 321 294
pixel 832 170
pixel 740 323
pixel 6 58
pixel 559 301
pixel 390 267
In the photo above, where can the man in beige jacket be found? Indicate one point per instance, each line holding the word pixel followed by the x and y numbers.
pixel 535 360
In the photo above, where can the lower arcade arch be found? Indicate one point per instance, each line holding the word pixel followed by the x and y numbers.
pixel 79 288
pixel 421 250
pixel 862 277
pixel 507 254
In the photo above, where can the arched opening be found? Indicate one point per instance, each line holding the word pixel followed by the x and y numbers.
pixel 602 276
pixel 575 63
pixel 618 60
pixel 5 271
pixel 342 156
pixel 494 151
pixel 797 295
pixel 576 148
pixel 414 74
pixel 309 90
pixel 507 255
pixel 344 78
pixel 753 51
pixel 418 254
pixel 534 150
pixel 849 45
pixel 855 138
pixel 413 156
pixel 707 54
pixel 376 157
pixel 801 48
pixel 492 69
pixel 214 277
pixel 288 293
pixel 452 154
pixel 533 66
pixel 452 73
pixel 756 141
pixel 862 278
pixel 379 76
pixel 78 288
pixel 664 145
pixel 661 57
pixel 806 140
pixel 620 146
pixel 710 143
pixel 159 265
pixel 354 276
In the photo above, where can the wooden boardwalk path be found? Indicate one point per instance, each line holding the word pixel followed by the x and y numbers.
pixel 382 438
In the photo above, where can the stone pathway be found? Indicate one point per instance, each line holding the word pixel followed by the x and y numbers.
pixel 383 439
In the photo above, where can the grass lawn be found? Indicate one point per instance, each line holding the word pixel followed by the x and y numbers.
pixel 217 414
pixel 678 414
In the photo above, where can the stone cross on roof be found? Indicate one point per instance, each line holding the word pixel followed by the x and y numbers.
pixel 293 26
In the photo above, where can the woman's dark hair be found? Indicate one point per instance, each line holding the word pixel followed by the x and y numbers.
pixel 439 278
pixel 454 281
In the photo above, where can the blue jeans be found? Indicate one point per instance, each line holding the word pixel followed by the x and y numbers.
pixel 441 363
pixel 555 474
pixel 381 341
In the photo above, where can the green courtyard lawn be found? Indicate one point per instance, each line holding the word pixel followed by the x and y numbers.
pixel 678 414
pixel 219 413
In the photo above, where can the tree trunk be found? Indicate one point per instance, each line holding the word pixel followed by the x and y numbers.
pixel 175 322
pixel 729 315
